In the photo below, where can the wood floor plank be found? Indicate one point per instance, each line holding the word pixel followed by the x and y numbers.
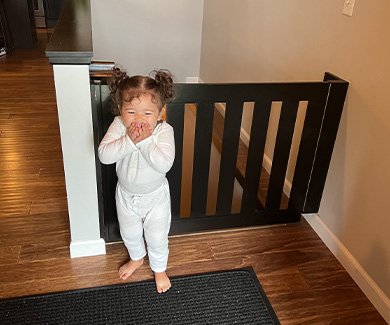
pixel 32 229
pixel 9 255
pixel 49 205
pixel 43 252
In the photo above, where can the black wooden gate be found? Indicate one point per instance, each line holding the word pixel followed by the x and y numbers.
pixel 325 101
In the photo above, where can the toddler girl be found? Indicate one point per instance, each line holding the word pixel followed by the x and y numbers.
pixel 143 148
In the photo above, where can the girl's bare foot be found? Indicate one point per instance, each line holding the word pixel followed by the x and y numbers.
pixel 162 282
pixel 128 269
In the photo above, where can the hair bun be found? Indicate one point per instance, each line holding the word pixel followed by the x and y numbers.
pixel 164 81
pixel 162 76
pixel 114 83
pixel 118 75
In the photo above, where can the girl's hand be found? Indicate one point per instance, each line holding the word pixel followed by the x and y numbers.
pixel 144 131
pixel 133 132
pixel 139 131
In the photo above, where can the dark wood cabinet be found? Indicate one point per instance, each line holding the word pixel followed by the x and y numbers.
pixel 19 21
pixel 6 43
pixel 18 29
pixel 53 10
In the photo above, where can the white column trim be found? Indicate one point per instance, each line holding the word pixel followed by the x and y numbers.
pixel 87 248
pixel 77 141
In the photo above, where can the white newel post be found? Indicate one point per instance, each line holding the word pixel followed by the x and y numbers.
pixel 75 119
pixel 70 51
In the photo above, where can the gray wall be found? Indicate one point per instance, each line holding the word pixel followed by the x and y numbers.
pixel 144 35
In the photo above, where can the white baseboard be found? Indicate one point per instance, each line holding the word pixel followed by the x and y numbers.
pixel 193 80
pixel 377 297
pixel 87 248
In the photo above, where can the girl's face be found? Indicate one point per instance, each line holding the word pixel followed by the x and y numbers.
pixel 140 110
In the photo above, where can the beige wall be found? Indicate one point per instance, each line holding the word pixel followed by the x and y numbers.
pixel 267 40
pixel 144 35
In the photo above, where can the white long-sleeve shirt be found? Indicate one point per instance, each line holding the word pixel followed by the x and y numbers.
pixel 141 167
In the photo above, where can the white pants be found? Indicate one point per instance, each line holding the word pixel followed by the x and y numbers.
pixel 145 216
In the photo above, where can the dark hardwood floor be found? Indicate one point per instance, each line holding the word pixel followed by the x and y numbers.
pixel 304 282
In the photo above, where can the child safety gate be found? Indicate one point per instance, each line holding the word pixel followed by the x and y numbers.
pixel 324 103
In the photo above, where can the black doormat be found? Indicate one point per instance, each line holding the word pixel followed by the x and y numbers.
pixel 230 297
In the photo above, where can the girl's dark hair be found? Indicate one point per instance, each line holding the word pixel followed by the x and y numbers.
pixel 159 84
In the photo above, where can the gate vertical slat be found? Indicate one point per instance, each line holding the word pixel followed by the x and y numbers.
pixel 201 162
pixel 96 106
pixel 103 106
pixel 175 117
pixel 306 153
pixel 230 141
pixel 260 120
pixel 281 154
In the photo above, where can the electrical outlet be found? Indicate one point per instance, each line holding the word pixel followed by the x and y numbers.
pixel 348 7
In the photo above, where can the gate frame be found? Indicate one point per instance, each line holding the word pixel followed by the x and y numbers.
pixel 325 104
